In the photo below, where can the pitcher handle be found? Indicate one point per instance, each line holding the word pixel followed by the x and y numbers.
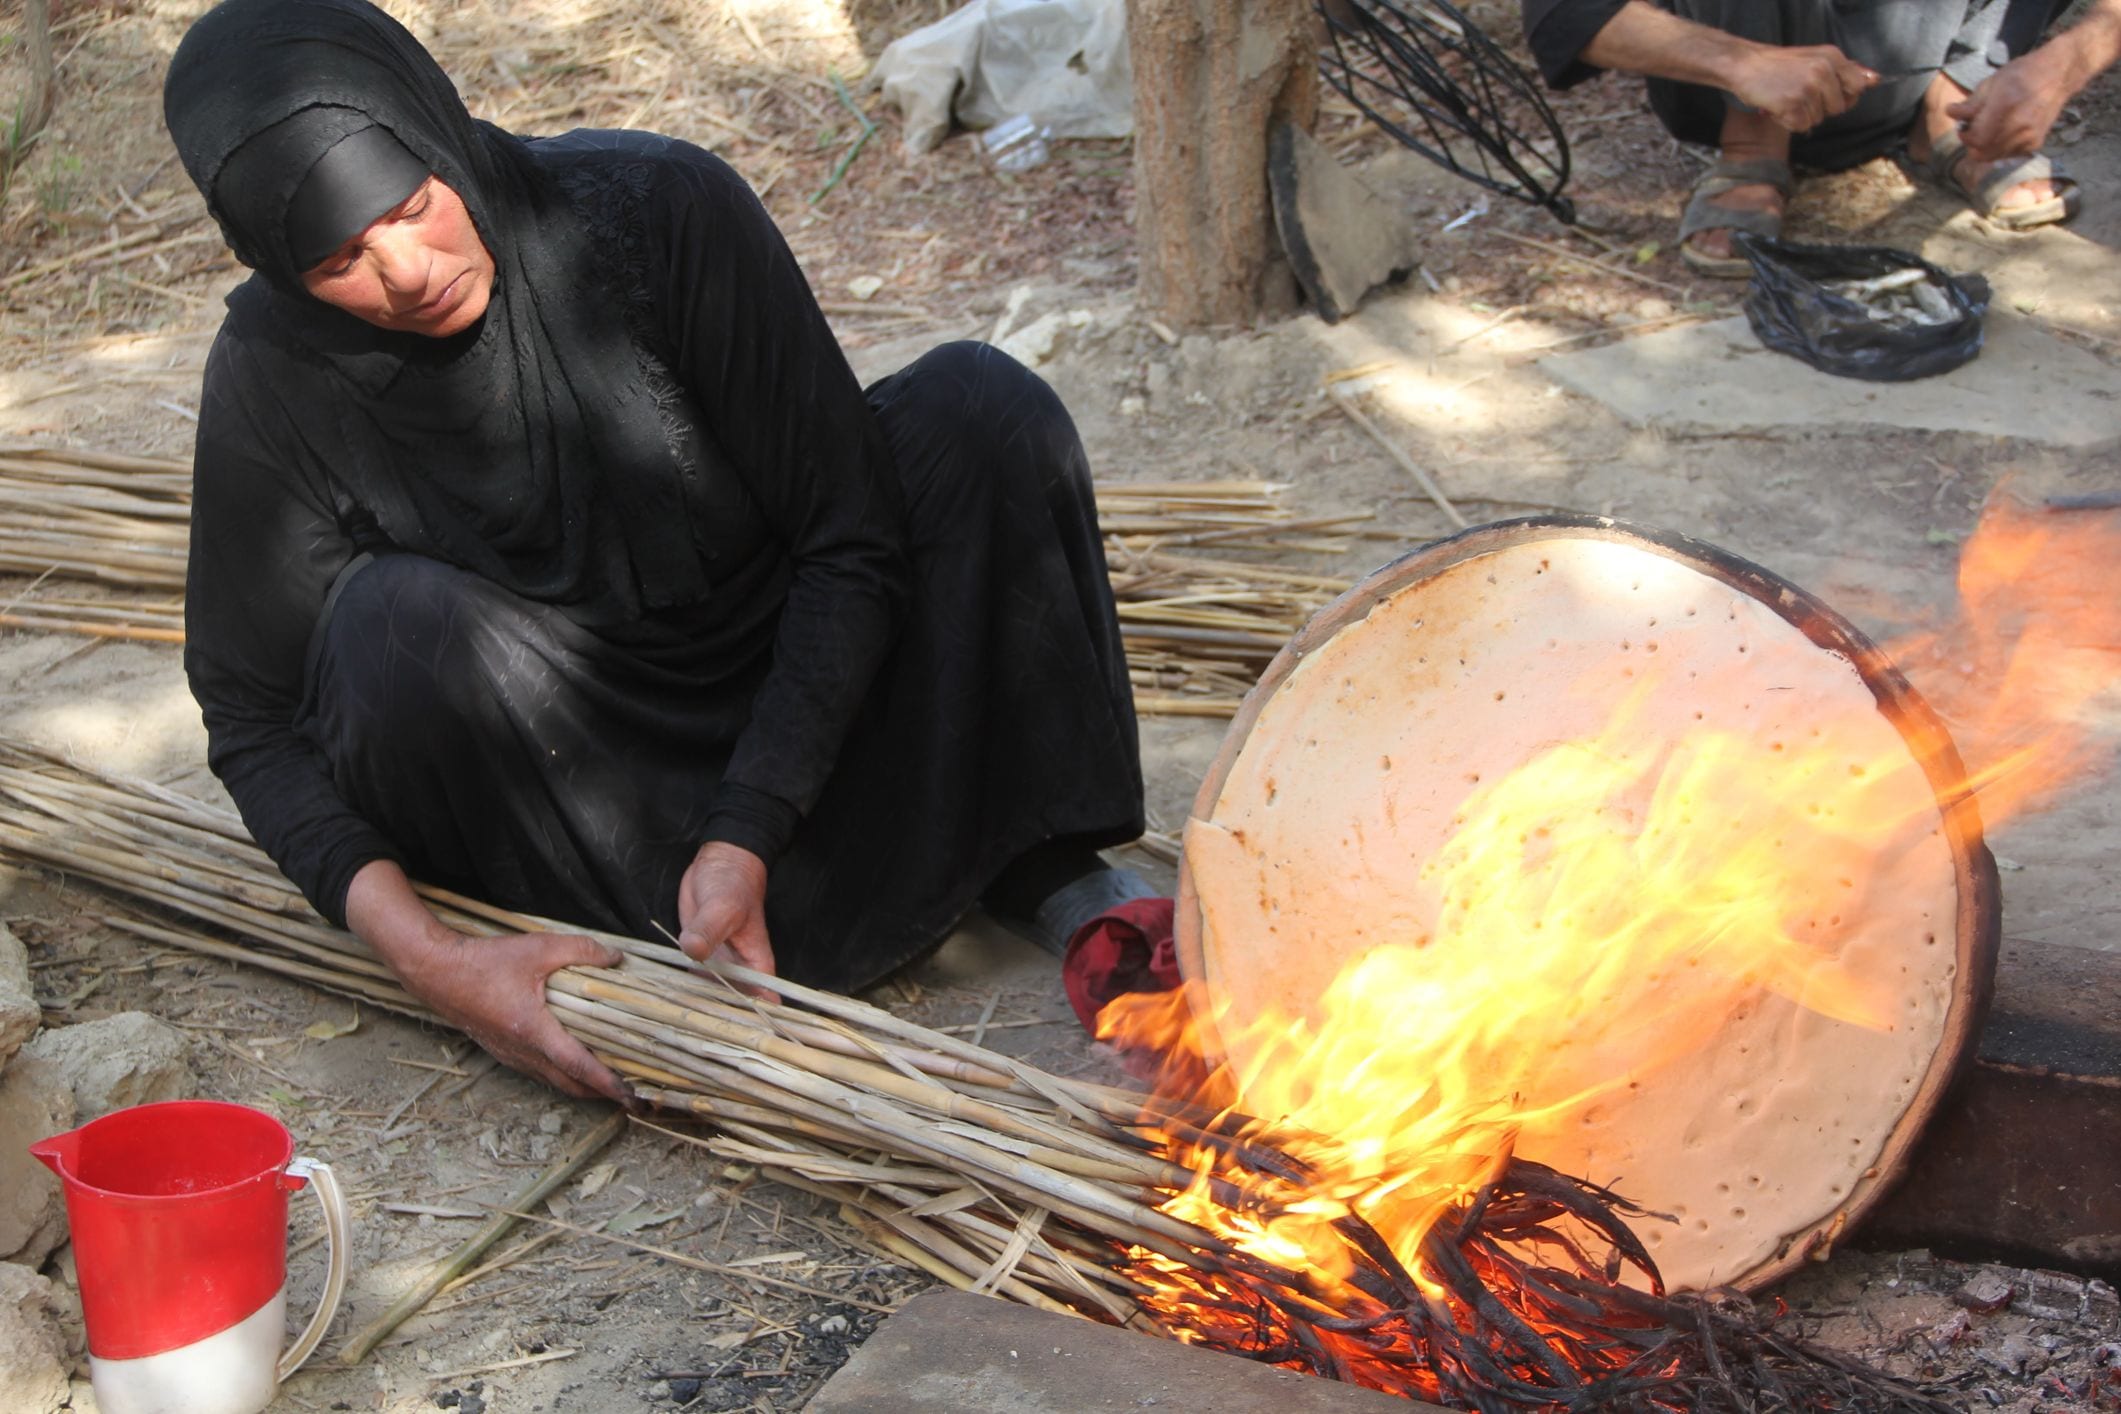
pixel 333 1202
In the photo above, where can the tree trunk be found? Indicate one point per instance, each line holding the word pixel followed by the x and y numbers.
pixel 20 127
pixel 1209 76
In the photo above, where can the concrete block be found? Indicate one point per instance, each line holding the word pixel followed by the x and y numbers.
pixel 40 1338
pixel 118 1061
pixel 1342 239
pixel 19 1013
pixel 35 1103
pixel 949 1353
pixel 1718 377
pixel 2022 1164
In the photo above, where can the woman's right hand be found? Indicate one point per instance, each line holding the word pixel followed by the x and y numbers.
pixel 493 990
pixel 722 911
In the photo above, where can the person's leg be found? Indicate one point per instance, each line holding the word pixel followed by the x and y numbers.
pixel 1992 34
pixel 1747 142
pixel 1694 113
pixel 486 738
pixel 1900 41
pixel 989 457
pixel 1745 138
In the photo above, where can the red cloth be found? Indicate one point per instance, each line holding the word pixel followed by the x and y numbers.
pixel 1126 949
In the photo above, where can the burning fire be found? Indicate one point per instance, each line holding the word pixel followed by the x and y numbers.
pixel 2026 675
pixel 1597 913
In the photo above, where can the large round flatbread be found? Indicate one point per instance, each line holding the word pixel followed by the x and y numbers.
pixel 1368 740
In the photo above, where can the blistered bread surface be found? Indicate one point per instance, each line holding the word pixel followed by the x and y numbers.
pixel 1353 775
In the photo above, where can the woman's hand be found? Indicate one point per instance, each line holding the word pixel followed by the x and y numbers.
pixel 722 909
pixel 491 989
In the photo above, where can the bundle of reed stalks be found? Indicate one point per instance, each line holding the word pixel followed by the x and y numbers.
pixel 1200 630
pixel 994 1176
pixel 1225 514
pixel 983 1172
pixel 138 620
pixel 80 515
pixel 1199 623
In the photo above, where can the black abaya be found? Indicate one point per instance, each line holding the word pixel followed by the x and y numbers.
pixel 650 568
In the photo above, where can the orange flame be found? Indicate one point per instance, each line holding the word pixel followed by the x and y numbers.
pixel 1611 904
pixel 2024 673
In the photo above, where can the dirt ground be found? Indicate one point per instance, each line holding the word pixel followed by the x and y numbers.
pixel 678 1281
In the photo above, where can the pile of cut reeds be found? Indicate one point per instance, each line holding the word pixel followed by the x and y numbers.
pixel 994 1176
pixel 1200 624
pixel 983 1172
pixel 1198 621
pixel 94 517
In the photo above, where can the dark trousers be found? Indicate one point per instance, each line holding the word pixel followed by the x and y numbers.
pixel 513 754
pixel 1970 40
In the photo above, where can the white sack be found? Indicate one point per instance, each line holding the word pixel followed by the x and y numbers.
pixel 1063 62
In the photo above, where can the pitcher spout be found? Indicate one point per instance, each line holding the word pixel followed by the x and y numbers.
pixel 58 1152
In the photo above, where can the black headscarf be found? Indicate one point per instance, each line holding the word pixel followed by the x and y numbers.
pixel 359 179
pixel 474 441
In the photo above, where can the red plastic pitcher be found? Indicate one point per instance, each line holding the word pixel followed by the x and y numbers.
pixel 179 1218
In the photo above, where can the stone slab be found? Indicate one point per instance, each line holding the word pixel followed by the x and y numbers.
pixel 946 1352
pixel 117 1062
pixel 1342 239
pixel 2023 1163
pixel 35 1103
pixel 1717 377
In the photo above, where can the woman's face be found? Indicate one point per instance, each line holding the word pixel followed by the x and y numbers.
pixel 419 269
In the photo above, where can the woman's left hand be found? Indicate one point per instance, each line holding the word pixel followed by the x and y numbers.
pixel 722 909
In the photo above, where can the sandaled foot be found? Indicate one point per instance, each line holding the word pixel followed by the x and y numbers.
pixel 1736 194
pixel 2016 193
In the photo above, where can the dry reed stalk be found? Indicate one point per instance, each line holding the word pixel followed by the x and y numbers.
pixel 1197 628
pixel 52 623
pixel 541 1187
pixel 128 246
pixel 1345 401
pixel 1000 1177
pixel 97 517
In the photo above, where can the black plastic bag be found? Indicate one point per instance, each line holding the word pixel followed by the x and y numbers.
pixel 1793 312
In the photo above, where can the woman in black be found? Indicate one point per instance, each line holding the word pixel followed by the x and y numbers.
pixel 545 547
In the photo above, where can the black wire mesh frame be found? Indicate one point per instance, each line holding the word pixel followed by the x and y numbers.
pixel 1381 55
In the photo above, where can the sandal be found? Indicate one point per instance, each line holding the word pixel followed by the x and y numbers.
pixel 1702 214
pixel 1942 168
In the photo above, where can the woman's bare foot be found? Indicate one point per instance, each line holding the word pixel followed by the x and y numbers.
pixel 1932 122
pixel 1746 136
